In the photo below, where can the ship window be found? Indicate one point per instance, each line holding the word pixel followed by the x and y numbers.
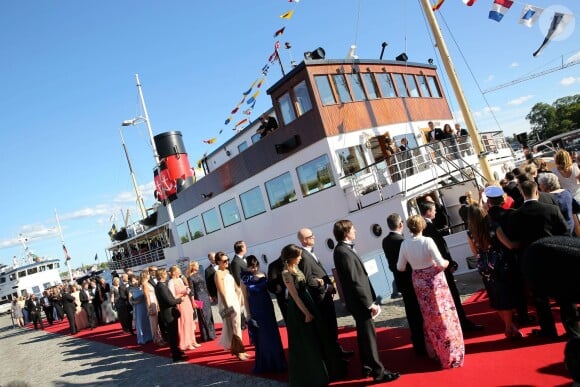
pixel 32 270
pixel 386 85
pixel 341 88
pixel 302 98
pixel 315 175
pixel 324 90
pixel 42 268
pixel 243 146
pixel 434 87
pixel 286 108
pixel 183 233
pixel 49 266
pixel 230 213
pixel 12 277
pixel 2 280
pixel 195 227
pixel 252 203
pixel 351 159
pixel 56 265
pixel 36 290
pixel 401 87
pixel 280 190
pixel 356 86
pixel 211 221
pixel 423 86
pixel 22 274
pixel 256 137
pixel 413 90
pixel 46 285
pixel 370 85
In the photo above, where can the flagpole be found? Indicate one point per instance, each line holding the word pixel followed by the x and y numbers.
pixel 449 68
pixel 67 258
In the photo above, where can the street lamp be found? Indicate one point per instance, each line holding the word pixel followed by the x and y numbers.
pixel 145 119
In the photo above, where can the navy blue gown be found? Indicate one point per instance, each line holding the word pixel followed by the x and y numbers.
pixel 266 336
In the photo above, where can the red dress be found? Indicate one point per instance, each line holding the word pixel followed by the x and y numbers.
pixel 186 325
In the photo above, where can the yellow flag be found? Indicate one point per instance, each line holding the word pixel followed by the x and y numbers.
pixel 287 15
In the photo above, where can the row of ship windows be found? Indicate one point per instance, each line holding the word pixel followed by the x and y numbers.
pixel 313 176
pixel 345 88
pixel 32 270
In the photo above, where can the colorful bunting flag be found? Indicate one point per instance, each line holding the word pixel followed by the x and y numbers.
pixel 260 83
pixel 235 110
pixel 247 112
pixel 438 5
pixel 530 14
pixel 557 26
pixel 265 70
pixel 228 120
pixel 252 99
pixel 220 132
pixel 210 140
pixel 241 123
pixel 469 3
pixel 66 256
pixel 279 32
pixel 273 57
pixel 287 15
pixel 499 8
pixel 97 257
pixel 295 1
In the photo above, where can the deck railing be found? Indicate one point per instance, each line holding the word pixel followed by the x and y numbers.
pixel 138 259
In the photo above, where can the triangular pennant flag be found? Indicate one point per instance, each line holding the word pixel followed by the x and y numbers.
pixel 241 123
pixel 220 132
pixel 210 140
pixel 438 5
pixel 499 8
pixel 469 3
pixel 228 120
pixel 265 70
pixel 252 99
pixel 287 15
pixel 558 25
pixel 260 83
pixel 247 112
pixel 273 57
pixel 254 104
pixel 243 99
pixel 279 32
pixel 236 109
pixel 530 14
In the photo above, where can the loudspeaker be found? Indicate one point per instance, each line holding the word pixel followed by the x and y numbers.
pixel 319 53
pixel 522 138
pixel 402 57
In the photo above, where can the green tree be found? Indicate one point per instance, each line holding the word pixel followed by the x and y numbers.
pixel 560 117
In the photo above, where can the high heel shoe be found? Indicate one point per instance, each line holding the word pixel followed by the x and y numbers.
pixel 191 347
pixel 196 345
pixel 242 356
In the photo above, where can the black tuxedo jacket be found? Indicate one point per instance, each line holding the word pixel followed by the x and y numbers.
pixel 33 306
pixel 275 270
pixel 237 267
pixel 166 302
pixel 314 270
pixel 391 247
pixel 432 232
pixel 84 298
pixel 210 281
pixel 354 280
pixel 544 197
pixel 535 220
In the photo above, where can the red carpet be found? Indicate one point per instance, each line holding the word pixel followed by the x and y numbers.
pixel 490 359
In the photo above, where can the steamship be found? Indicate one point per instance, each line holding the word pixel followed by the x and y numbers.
pixel 329 159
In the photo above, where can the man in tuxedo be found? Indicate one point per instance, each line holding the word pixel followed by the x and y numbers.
pixel 435 134
pixel 47 306
pixel 209 277
pixel 98 300
pixel 87 298
pixel 531 222
pixel 428 211
pixel 239 266
pixel 359 297
pixel 319 285
pixel 391 247
pixel 34 309
pixel 169 314
pixel 276 285
pixel 123 306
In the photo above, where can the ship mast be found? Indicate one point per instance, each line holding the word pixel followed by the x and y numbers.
pixel 450 69
pixel 67 259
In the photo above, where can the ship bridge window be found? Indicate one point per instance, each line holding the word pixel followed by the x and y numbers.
pixel 370 85
pixel 32 270
pixel 12 277
pixel 341 87
pixel 230 213
pixel 324 90
pixel 195 227
pixel 285 104
pixel 315 175
pixel 42 268
pixel 423 86
pixel 183 233
pixel 401 87
pixel 36 290
pixel 356 86
pixel 413 89
pixel 434 87
pixel 386 85
pixel 280 191
pixel 49 266
pixel 252 203
pixel 256 137
pixel 22 274
pixel 351 159
pixel 303 103
pixel 2 280
pixel 211 221
pixel 242 147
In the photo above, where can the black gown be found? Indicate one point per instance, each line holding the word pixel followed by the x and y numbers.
pixel 313 358
pixel 204 316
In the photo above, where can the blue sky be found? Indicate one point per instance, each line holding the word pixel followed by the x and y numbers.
pixel 67 82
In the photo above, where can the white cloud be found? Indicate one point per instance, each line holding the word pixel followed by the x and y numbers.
pixel 487 111
pixel 574 57
pixel 30 232
pixel 514 65
pixel 520 100
pixel 569 81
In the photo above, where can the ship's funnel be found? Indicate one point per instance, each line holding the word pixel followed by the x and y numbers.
pixel 175 173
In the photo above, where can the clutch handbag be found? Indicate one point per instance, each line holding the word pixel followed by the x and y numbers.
pixel 198 304
pixel 227 312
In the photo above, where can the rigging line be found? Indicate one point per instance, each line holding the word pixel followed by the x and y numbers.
pixel 471 72
pixel 356 29
pixel 436 54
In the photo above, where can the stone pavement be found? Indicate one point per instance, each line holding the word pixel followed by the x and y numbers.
pixel 36 358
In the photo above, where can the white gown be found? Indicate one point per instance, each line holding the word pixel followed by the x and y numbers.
pixel 231 326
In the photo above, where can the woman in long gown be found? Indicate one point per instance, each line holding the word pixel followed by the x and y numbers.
pixel 229 307
pixel 186 326
pixel 313 358
pixel 140 312
pixel 443 335
pixel 114 294
pixel 261 319
pixel 81 318
pixel 200 293
pixel 152 307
